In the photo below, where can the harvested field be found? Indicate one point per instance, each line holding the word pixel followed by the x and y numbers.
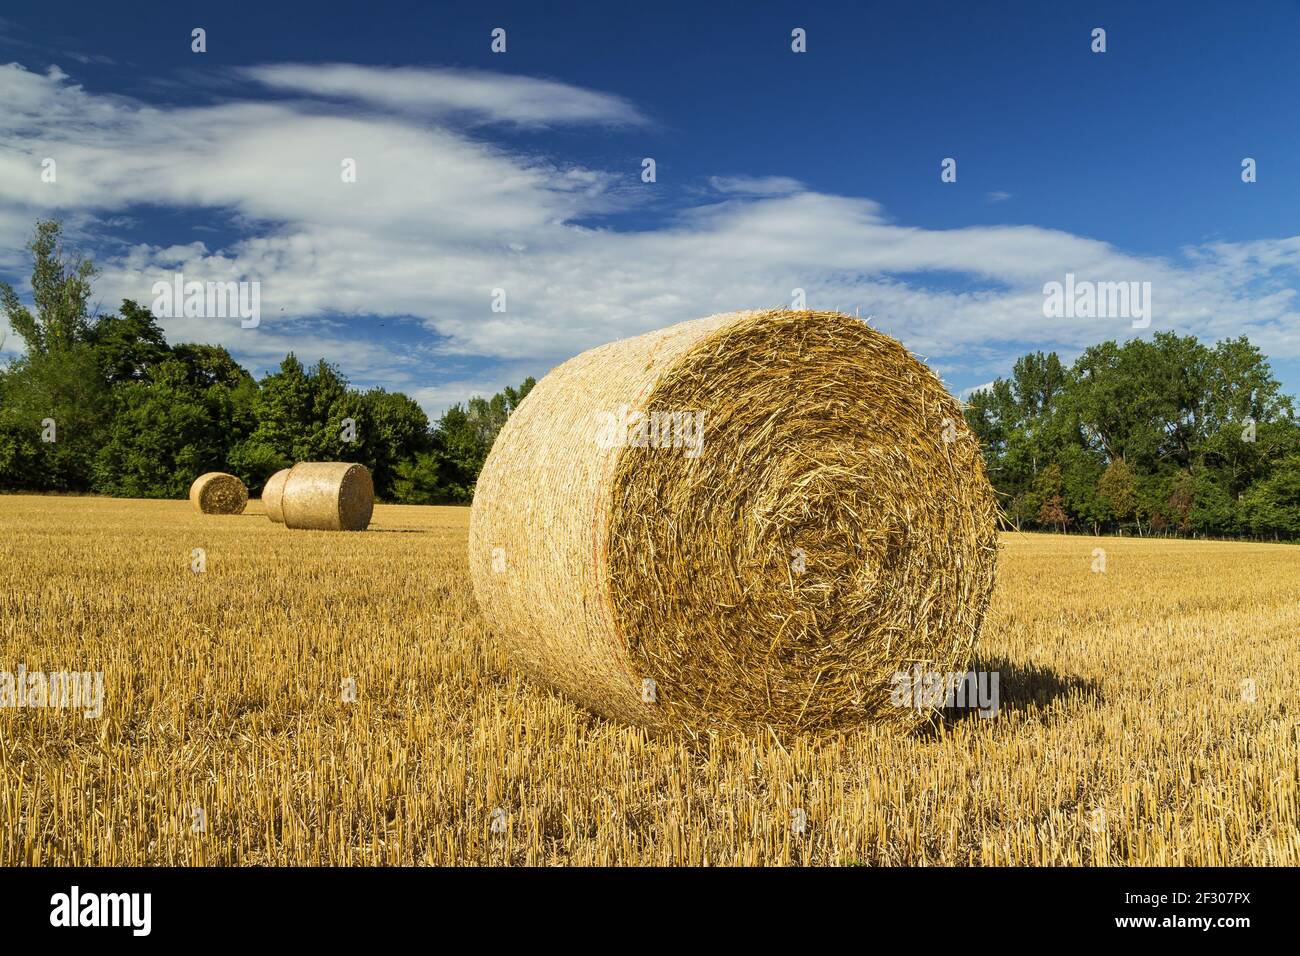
pixel 1148 714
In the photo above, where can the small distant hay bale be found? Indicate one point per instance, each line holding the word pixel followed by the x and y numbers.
pixel 752 520
pixel 328 496
pixel 217 493
pixel 271 494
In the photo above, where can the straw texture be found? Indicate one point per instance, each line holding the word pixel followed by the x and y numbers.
pixel 217 493
pixel 833 528
pixel 271 494
pixel 328 496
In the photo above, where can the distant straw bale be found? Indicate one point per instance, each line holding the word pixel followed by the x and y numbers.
pixel 328 496
pixel 217 493
pixel 271 493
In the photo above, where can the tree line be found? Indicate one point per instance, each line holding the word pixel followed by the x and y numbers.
pixel 1161 436
pixel 102 403
pixel 1166 436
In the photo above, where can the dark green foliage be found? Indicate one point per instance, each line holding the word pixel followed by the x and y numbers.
pixel 135 416
pixel 465 436
pixel 66 389
pixel 1164 436
pixel 1271 508
pixel 129 344
pixel 164 432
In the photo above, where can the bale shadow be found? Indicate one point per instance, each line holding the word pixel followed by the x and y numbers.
pixel 401 530
pixel 1021 687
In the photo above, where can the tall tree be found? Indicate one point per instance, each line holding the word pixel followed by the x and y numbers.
pixel 128 344
pixel 1118 490
pixel 61 287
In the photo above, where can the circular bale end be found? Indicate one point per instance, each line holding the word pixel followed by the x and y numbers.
pixel 217 493
pixel 328 496
pixel 271 495
pixel 753 520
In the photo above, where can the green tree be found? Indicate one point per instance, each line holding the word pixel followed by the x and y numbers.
pixel 55 389
pixel 61 286
pixel 163 433
pixel 284 431
pixel 1049 487
pixel 59 395
pixel 1081 471
pixel 1214 509
pixel 129 344
pixel 1271 508
pixel 395 430
pixel 1195 428
pixel 1182 498
pixel 422 481
pixel 466 433
pixel 1140 401
pixel 208 365
pixel 131 415
pixel 1118 490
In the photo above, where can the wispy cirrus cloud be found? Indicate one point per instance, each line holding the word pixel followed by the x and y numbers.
pixel 464 95
pixel 756 185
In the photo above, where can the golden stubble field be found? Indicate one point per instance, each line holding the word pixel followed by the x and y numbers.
pixel 1127 732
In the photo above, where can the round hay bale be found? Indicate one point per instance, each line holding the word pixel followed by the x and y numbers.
pixel 271 493
pixel 217 493
pixel 328 496
pixel 752 519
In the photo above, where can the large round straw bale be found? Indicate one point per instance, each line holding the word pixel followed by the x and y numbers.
pixel 271 493
pixel 833 529
pixel 217 493
pixel 328 496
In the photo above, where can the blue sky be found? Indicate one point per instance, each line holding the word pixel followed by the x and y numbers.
pixel 775 170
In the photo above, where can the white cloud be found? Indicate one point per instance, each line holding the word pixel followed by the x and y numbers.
pixel 438 219
pixel 437 398
pixel 473 94
pixel 756 185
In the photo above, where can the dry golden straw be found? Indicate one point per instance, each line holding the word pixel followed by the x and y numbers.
pixel 217 493
pixel 833 528
pixel 271 493
pixel 328 496
pixel 252 728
